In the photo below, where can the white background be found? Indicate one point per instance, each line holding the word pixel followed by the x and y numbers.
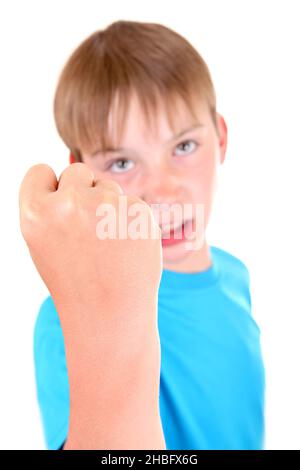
pixel 252 50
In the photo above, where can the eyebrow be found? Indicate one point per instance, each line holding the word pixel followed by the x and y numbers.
pixel 175 137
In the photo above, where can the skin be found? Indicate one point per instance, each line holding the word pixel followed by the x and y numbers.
pixel 105 297
pixel 159 171
pixel 106 300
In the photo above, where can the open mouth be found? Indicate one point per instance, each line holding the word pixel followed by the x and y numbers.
pixel 177 234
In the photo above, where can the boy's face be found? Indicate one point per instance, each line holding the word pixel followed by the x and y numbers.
pixel 163 169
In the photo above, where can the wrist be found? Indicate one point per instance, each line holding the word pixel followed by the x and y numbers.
pixel 117 408
pixel 114 375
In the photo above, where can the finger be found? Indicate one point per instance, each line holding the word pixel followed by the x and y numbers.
pixel 78 174
pixel 40 179
pixel 111 185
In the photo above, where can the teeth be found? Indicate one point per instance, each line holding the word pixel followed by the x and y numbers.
pixel 169 228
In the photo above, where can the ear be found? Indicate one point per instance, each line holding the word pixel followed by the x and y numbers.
pixel 71 158
pixel 223 137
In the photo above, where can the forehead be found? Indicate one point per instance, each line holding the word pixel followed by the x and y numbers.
pixel 138 129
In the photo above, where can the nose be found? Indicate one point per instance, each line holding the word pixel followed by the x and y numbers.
pixel 162 187
pixel 163 190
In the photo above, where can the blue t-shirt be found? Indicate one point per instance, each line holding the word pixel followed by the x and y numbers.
pixel 212 377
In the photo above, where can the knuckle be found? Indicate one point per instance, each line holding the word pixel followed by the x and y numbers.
pixel 112 185
pixel 70 199
pixel 39 166
pixel 75 168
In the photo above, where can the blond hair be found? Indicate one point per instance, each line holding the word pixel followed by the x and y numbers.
pixel 149 59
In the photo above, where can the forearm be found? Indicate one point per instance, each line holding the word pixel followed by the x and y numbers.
pixel 114 373
pixel 105 292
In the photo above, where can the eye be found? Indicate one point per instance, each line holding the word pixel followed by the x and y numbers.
pixel 187 142
pixel 122 165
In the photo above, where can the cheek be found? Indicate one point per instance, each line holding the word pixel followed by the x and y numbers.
pixel 134 184
pixel 130 186
pixel 203 179
pixel 202 184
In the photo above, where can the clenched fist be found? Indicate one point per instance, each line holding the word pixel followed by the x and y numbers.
pixel 59 222
pixel 105 290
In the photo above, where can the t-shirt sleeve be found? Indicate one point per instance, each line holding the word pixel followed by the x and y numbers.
pixel 52 386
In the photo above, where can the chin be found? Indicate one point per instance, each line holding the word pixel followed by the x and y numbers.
pixel 176 253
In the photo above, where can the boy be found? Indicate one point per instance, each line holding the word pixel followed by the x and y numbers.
pixel 121 93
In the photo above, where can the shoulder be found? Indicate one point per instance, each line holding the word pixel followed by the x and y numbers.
pixel 229 260
pixel 229 263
